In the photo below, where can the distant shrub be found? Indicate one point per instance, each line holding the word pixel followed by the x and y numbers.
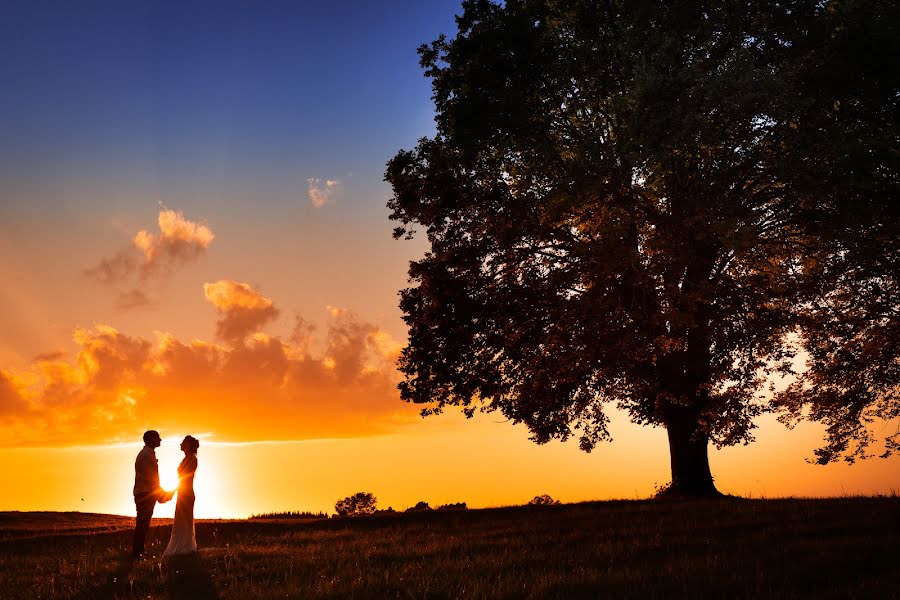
pixel 360 503
pixel 387 511
pixel 543 500
pixel 291 515
pixel 419 507
pixel 453 506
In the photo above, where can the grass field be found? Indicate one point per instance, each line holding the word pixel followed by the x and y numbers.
pixel 728 548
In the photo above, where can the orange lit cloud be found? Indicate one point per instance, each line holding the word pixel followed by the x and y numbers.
pixel 354 348
pixel 321 191
pixel 241 308
pixel 50 355
pixel 11 401
pixel 177 242
pixel 251 387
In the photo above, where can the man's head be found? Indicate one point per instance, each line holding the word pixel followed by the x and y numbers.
pixel 152 439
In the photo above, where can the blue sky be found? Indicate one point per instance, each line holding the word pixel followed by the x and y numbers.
pixel 176 93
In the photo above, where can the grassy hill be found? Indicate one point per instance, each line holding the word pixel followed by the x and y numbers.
pixel 728 548
pixel 17 525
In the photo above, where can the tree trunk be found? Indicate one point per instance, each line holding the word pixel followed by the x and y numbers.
pixel 688 451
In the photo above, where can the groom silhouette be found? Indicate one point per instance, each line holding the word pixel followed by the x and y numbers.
pixel 146 489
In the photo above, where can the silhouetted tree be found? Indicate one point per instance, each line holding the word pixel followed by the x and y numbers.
pixel 420 506
pixel 644 204
pixel 543 500
pixel 360 503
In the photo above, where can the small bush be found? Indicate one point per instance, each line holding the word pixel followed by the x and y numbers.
pixel 360 503
pixel 543 500
pixel 419 507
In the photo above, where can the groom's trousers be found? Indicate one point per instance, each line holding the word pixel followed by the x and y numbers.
pixel 144 508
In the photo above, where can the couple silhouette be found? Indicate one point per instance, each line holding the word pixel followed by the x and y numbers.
pixel 147 492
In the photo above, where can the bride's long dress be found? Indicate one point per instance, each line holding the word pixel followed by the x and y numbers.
pixel 183 540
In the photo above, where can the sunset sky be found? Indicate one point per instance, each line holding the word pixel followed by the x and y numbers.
pixel 193 238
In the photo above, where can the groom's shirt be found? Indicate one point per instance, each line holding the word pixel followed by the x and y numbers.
pixel 146 475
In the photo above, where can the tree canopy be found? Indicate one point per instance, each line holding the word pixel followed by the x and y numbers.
pixel 660 206
pixel 359 504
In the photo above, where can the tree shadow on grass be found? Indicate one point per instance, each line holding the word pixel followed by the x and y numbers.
pixel 187 578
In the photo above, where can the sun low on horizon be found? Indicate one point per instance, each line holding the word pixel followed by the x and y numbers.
pixel 194 239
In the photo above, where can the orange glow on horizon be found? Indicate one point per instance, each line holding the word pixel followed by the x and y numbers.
pixel 446 459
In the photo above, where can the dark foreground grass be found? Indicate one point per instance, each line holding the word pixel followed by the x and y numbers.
pixel 727 548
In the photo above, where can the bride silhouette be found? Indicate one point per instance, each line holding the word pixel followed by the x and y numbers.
pixel 183 540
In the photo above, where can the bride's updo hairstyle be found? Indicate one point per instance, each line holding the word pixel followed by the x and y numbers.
pixel 191 444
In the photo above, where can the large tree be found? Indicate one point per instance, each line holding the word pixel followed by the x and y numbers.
pixel 658 205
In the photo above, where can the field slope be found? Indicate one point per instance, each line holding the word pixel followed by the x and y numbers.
pixel 727 548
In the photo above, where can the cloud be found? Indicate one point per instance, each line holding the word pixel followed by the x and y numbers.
pixel 178 240
pixel 49 355
pixel 322 191
pixel 133 298
pixel 259 387
pixel 241 308
pixel 356 348
pixel 11 401
pixel 114 269
pixel 151 256
pixel 107 357
pixel 302 335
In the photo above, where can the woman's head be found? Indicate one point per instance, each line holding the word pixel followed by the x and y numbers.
pixel 190 444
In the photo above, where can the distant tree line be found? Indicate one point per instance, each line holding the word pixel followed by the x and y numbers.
pixel 291 514
pixel 365 503
pixel 424 507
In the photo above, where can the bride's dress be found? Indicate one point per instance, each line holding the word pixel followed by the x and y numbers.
pixel 183 540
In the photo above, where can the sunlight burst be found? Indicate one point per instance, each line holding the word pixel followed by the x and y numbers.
pixel 205 487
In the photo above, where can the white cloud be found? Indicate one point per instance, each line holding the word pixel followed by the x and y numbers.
pixel 322 191
pixel 178 240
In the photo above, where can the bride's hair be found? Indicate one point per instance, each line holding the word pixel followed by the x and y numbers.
pixel 191 444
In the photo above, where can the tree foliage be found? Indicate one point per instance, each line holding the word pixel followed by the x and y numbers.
pixel 543 500
pixel 658 205
pixel 453 506
pixel 360 503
